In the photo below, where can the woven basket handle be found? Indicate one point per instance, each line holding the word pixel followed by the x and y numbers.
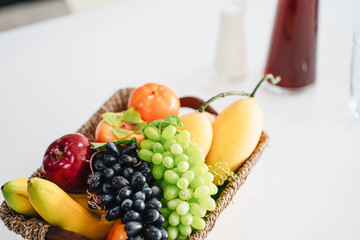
pixel 195 103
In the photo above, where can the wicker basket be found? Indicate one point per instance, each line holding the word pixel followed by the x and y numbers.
pixel 38 229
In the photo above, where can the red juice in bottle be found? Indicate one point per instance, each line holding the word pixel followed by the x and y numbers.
pixel 292 53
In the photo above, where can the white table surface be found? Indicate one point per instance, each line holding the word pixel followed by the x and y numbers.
pixel 54 75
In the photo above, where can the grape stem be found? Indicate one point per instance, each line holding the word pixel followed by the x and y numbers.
pixel 240 93
pixel 91 159
pixel 137 164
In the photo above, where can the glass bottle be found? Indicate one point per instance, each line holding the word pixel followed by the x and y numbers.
pixel 292 53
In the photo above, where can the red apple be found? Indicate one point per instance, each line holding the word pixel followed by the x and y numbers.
pixel 66 162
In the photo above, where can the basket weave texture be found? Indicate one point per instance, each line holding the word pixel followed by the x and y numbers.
pixel 36 229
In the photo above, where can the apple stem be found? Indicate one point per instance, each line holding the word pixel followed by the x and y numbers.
pixel 58 154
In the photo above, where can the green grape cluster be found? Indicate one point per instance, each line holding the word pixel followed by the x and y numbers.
pixel 179 167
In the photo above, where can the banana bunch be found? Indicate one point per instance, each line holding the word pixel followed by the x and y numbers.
pixel 38 196
pixel 16 196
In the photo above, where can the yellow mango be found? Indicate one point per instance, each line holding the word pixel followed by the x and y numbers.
pixel 236 133
pixel 200 128
pixel 211 117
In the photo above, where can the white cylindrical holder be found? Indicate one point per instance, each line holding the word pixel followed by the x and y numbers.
pixel 230 59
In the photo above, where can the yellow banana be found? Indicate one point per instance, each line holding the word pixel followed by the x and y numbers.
pixel 57 208
pixel 82 199
pixel 15 195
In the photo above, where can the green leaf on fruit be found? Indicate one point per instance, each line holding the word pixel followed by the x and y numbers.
pixel 98 146
pixel 112 119
pixel 141 126
pixel 162 123
pixel 132 116
pixel 119 122
pixel 102 146
pixel 123 133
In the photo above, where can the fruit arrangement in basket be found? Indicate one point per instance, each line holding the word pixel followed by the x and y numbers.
pixel 147 174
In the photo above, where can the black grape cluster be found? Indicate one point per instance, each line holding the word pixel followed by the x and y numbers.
pixel 121 184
